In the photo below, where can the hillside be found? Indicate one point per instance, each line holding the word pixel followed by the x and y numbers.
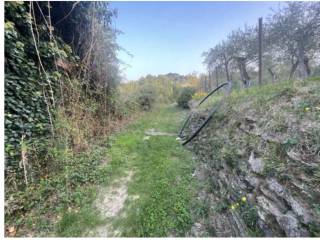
pixel 258 159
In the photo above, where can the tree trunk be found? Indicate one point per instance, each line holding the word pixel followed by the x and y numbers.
pixel 306 63
pixel 273 74
pixel 302 67
pixel 243 71
pixel 217 76
pixel 209 76
pixel 226 63
pixel 294 66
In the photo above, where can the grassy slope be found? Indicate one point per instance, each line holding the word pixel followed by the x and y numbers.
pixel 162 180
pixel 289 113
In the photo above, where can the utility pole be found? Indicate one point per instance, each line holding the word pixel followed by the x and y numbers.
pixel 260 51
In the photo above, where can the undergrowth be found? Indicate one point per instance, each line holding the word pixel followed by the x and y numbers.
pixel 76 163
pixel 61 204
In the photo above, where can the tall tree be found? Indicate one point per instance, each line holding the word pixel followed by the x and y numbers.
pixel 220 55
pixel 243 46
pixel 295 28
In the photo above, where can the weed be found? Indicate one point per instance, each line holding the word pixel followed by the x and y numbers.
pixel 250 217
pixel 73 223
pixel 274 160
pixel 230 156
pixel 220 207
pixel 314 229
pixel 212 231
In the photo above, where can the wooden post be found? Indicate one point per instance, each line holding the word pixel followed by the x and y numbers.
pixel 260 51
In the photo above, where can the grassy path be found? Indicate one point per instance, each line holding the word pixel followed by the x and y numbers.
pixel 160 191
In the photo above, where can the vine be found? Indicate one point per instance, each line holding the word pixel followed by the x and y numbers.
pixel 28 110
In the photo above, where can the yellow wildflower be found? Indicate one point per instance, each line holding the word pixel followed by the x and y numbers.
pixel 243 199
pixel 307 109
pixel 233 207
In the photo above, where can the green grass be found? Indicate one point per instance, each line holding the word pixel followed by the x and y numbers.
pixel 72 224
pixel 162 179
pixel 260 94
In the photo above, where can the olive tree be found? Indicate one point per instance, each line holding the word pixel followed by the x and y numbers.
pixel 295 30
pixel 219 57
pixel 243 45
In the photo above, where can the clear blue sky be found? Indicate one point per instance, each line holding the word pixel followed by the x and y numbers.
pixel 168 37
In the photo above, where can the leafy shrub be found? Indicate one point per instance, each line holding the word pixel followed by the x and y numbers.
pixel 126 107
pixel 185 96
pixel 146 98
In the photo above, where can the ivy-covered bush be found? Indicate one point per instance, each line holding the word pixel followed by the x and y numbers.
pixel 56 68
pixel 185 96
pixel 57 102
pixel 29 91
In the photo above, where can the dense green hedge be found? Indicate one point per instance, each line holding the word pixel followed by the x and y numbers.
pixel 28 96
